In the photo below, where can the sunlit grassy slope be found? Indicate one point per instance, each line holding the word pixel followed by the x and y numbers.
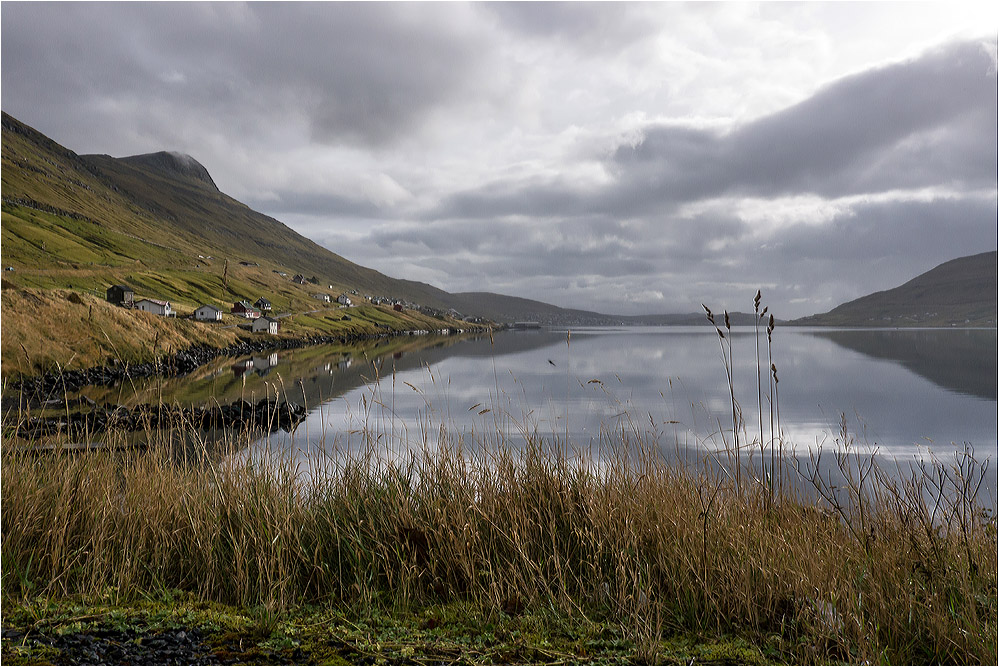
pixel 158 224
pixel 109 216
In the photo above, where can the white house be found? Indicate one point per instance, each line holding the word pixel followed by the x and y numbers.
pixel 265 324
pixel 208 313
pixel 155 306
pixel 263 365
pixel 343 300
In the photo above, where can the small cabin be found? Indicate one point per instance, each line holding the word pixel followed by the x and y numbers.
pixel 343 300
pixel 263 304
pixel 243 308
pixel 155 306
pixel 207 313
pixel 121 295
pixel 397 307
pixel 265 325
pixel 325 298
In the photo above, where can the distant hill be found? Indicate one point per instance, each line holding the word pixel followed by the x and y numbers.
pixel 502 308
pixel 961 292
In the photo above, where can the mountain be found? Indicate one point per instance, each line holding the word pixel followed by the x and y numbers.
pixel 173 165
pixel 502 308
pixel 159 223
pixel 94 216
pixel 961 292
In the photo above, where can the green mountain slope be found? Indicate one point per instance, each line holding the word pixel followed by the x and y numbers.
pixel 961 292
pixel 159 223
pixel 109 217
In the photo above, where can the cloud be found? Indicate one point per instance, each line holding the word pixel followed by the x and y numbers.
pixel 920 123
pixel 624 157
pixel 355 73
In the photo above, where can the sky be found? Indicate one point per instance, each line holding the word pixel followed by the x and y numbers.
pixel 627 158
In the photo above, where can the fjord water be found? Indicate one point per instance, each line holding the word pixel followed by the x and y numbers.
pixel 904 393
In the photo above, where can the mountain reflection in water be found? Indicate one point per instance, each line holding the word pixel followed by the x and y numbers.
pixel 899 391
pixel 961 360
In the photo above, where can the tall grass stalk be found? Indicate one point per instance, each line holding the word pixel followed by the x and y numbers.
pixel 759 385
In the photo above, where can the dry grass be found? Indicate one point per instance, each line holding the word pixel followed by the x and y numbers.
pixel 46 329
pixel 669 548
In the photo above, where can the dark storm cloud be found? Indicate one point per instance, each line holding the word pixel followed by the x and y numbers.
pixel 582 25
pixel 928 122
pixel 916 124
pixel 922 231
pixel 360 73
pixel 525 251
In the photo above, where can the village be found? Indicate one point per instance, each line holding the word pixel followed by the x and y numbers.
pixel 259 316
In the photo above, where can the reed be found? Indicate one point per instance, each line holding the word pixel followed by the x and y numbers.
pixel 855 562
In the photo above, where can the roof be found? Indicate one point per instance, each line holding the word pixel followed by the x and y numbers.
pixel 124 288
pixel 156 301
pixel 208 305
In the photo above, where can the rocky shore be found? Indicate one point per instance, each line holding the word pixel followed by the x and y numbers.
pixel 39 389
pixel 267 415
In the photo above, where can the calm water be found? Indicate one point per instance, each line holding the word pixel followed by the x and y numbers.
pixel 904 392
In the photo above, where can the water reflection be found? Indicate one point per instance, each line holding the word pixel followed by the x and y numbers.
pixel 961 360
pixel 671 382
pixel 667 389
pixel 308 375
pixel 902 392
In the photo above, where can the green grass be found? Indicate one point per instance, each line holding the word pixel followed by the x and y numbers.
pixel 454 632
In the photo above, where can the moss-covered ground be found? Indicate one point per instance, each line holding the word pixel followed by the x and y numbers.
pixel 451 633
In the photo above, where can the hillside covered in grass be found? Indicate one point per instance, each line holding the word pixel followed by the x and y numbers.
pixel 961 292
pixel 74 225
pixel 106 218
